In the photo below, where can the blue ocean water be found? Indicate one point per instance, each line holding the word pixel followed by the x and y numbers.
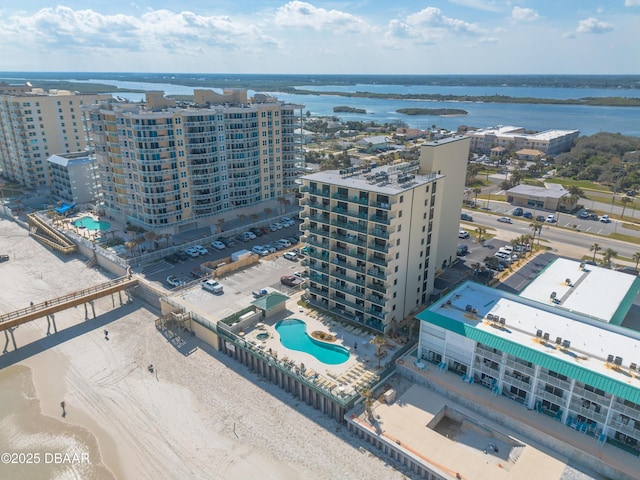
pixel 587 119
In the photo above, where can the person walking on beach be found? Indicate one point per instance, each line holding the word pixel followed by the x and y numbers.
pixel 63 405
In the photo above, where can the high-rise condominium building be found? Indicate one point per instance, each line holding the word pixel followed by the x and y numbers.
pixel 178 168
pixel 377 236
pixel 34 125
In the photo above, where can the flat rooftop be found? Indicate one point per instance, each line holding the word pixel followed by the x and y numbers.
pixel 387 180
pixel 408 422
pixel 466 311
pixel 585 293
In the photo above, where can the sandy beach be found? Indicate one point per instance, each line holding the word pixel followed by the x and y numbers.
pixel 199 415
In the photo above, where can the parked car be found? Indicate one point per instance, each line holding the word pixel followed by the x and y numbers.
pixel 197 273
pixel 4 258
pixel 174 281
pixel 551 218
pixel 527 215
pixel 173 258
pixel 251 235
pixel 605 219
pixel 182 255
pixel 285 243
pixel 273 227
pixel 279 225
pixel 256 231
pixel 192 252
pixel 463 234
pixel 540 218
pixel 260 250
pixel 629 270
pixel 270 248
pixel 218 245
pixel 518 212
pixel 212 286
pixel 462 250
pixel 466 217
pixel 293 256
pixel 277 245
pixel 293 240
pixel 287 222
pixel 584 214
pixel 227 242
pixel 201 250
pixel 265 230
pixel 504 219
pixel 290 280
pixel 259 293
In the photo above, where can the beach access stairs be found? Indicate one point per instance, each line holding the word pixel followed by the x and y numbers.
pixel 49 236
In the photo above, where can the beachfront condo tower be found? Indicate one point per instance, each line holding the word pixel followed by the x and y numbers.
pixel 377 236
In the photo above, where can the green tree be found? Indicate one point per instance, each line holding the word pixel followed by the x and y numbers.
pixel 379 341
pixel 595 248
pixel 480 231
pixel 536 227
pixel 636 257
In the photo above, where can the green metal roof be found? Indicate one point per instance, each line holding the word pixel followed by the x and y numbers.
pixel 569 368
pixel 626 303
pixel 270 300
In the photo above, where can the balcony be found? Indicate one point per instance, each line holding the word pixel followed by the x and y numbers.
pixel 319 206
pixel 576 406
pixel 352 252
pixel 377 273
pixel 377 287
pixel 378 314
pixel 347 290
pixel 382 205
pixel 342 211
pixel 340 196
pixel 381 219
pixel 348 265
pixel 486 369
pixel 488 354
pixel 351 239
pixel 517 382
pixel 378 261
pixel 315 230
pixel 347 303
pixel 349 226
pixel 377 300
pixel 551 397
pixel 320 193
pixel 314 277
pixel 379 248
pixel 556 382
pixel 316 267
pixel 318 243
pixel 319 255
pixel 318 291
pixel 379 233
pixel 347 278
pixel 319 218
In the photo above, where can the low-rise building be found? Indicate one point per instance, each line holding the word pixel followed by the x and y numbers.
pixel 549 197
pixel 548 142
pixel 74 178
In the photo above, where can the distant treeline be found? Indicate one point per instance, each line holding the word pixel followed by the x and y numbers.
pixel 592 101
pixel 432 111
pixel 346 109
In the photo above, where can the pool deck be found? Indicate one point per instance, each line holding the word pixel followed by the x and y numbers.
pixel 359 371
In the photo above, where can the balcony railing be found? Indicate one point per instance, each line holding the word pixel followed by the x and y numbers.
pixel 381 219
pixel 377 288
pixel 376 272
pixel 347 278
pixel 377 300
pixel 378 261
pixel 386 206
pixel 380 248
pixel 348 290
pixel 348 226
pixel 379 233
pixel 320 193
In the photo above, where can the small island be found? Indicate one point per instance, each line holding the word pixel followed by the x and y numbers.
pixel 432 111
pixel 346 109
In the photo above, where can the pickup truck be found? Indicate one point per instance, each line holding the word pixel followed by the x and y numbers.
pixel 259 293
pixel 291 280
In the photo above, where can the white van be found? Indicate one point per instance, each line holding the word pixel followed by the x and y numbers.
pixel 212 286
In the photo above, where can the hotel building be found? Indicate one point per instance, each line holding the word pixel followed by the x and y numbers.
pixel 74 178
pixel 543 352
pixel 177 168
pixel 549 142
pixel 35 124
pixel 377 236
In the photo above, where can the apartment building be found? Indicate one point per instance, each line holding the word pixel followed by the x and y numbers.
pixel 35 124
pixel 374 235
pixel 574 368
pixel 177 168
pixel 74 178
pixel 549 142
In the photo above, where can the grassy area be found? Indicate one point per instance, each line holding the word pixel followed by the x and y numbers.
pixel 625 238
pixel 631 226
pixel 584 184
pixel 478 182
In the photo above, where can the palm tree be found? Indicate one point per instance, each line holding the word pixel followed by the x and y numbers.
pixel 480 231
pixel 150 237
pixel 378 341
pixel 536 227
pixel 594 248
pixel 636 257
pixel 609 253
pixel 368 402
pixel 477 191
pixel 267 212
pixel 624 201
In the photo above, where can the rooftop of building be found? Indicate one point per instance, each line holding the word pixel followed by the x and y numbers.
pixel 550 190
pixel 583 294
pixel 65 159
pixel 387 179
pixel 509 130
pixel 476 311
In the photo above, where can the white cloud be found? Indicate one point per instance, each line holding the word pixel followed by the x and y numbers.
pixel 430 25
pixel 632 3
pixel 305 15
pixel 175 32
pixel 519 14
pixel 592 25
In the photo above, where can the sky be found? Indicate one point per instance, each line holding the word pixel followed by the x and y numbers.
pixel 323 37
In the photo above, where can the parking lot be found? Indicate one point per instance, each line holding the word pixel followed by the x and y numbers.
pixel 158 272
pixel 238 287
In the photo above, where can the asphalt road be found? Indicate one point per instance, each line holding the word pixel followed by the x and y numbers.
pixel 555 232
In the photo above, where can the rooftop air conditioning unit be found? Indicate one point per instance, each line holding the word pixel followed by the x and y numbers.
pixel 609 358
pixel 546 336
pixel 618 361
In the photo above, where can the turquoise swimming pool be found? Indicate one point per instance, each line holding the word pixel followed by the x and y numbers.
pixel 294 336
pixel 91 224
